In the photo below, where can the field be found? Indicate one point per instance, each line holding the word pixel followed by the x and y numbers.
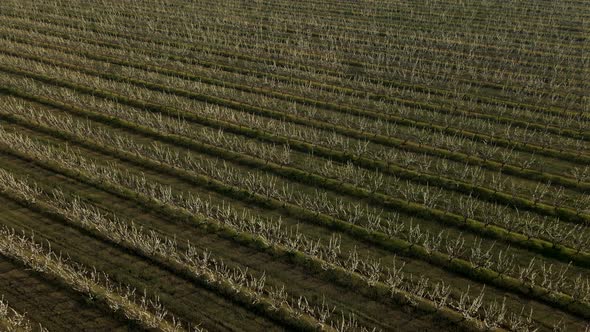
pixel 359 165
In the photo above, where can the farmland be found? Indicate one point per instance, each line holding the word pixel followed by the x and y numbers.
pixel 370 165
